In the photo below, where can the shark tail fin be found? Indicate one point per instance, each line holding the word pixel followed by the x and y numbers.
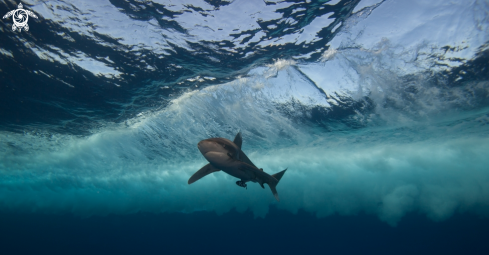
pixel 274 190
pixel 273 185
pixel 279 175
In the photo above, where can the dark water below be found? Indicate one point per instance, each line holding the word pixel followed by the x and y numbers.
pixel 240 233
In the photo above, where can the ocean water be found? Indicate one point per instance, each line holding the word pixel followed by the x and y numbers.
pixel 379 110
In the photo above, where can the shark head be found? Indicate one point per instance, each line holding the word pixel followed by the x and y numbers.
pixel 220 145
pixel 209 145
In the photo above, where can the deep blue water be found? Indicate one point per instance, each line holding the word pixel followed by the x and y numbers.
pixel 207 233
pixel 379 110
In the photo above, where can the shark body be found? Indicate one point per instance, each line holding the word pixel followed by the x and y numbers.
pixel 227 156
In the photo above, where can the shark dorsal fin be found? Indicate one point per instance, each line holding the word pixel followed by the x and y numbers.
pixel 238 140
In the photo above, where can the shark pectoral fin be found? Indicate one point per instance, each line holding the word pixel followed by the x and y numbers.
pixel 261 184
pixel 205 170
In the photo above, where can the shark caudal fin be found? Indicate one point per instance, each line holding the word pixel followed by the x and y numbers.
pixel 274 191
pixel 279 175
pixel 273 185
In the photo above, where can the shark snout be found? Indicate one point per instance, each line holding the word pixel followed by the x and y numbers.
pixel 199 146
pixel 204 146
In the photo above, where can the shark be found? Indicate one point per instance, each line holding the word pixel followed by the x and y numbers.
pixel 224 155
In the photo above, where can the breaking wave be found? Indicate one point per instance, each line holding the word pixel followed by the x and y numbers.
pixel 371 110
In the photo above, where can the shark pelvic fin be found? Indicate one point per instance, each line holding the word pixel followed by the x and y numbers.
pixel 205 170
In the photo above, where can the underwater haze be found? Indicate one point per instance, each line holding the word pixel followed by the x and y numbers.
pixel 378 108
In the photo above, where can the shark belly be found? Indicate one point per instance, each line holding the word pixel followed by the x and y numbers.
pixel 240 174
pixel 228 165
